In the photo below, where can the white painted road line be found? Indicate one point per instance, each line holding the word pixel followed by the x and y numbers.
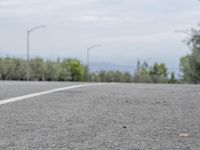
pixel 19 98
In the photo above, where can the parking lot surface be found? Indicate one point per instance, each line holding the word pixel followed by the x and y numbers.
pixel 103 117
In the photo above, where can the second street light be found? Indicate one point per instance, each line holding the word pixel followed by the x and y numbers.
pixel 88 59
pixel 28 48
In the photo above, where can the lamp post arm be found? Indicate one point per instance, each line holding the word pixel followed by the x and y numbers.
pixel 94 46
pixel 35 28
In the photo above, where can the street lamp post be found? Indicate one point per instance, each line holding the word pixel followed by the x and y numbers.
pixel 88 59
pixel 28 49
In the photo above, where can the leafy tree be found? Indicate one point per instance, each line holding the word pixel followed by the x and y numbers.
pixel 94 77
pixel 111 76
pixel 4 68
pixel 12 69
pixel 172 78
pixel 158 73
pixel 37 69
pixel 52 71
pixel 103 76
pixel 141 74
pixel 19 70
pixel 76 68
pixel 190 64
pixel 186 69
pixel 127 77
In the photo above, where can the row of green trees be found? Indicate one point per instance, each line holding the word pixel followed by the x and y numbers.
pixel 40 70
pixel 157 73
pixel 74 70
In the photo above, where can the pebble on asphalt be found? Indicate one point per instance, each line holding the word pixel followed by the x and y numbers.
pixel 183 135
pixel 125 127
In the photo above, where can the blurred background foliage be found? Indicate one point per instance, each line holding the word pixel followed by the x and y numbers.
pixel 73 70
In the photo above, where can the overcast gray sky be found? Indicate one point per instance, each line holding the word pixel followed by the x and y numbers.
pixel 127 29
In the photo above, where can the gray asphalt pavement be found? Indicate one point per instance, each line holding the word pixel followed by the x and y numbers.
pixel 105 117
pixel 16 88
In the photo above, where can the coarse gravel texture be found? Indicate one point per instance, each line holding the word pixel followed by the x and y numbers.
pixel 105 117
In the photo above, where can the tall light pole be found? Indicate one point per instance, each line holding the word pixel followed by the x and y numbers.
pixel 28 48
pixel 88 59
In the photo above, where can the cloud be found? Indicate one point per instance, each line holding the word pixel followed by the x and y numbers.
pixel 36 7
pixel 5 3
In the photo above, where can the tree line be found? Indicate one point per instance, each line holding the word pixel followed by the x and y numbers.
pixel 73 70
pixel 158 73
pixel 41 70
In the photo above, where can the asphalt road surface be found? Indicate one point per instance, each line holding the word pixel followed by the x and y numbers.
pixel 100 117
